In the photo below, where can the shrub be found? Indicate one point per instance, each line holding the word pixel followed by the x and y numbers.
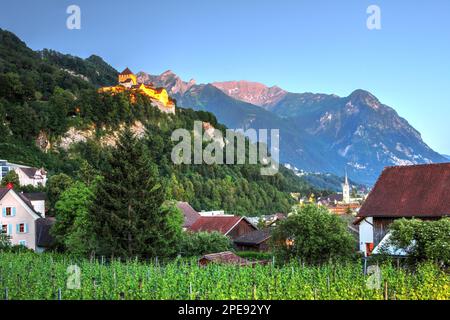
pixel 200 243
pixel 312 234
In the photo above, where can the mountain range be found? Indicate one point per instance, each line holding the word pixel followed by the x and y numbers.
pixel 318 132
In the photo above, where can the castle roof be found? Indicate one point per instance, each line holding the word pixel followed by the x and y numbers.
pixel 126 72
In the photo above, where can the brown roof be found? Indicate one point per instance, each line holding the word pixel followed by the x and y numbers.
pixel 126 72
pixel 222 224
pixel 30 172
pixel 410 191
pixel 190 215
pixel 224 257
pixel 254 237
pixel 36 196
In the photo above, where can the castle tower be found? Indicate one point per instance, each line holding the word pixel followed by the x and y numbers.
pixel 127 77
pixel 346 190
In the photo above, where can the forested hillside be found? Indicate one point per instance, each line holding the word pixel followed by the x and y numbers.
pixel 45 94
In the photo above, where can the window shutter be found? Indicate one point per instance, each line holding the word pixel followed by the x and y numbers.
pixel 4 212
pixel 9 229
pixel 13 212
pixel 25 228
pixel 17 228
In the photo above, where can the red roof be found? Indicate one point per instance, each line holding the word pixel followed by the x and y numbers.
pixel 410 191
pixel 222 224
pixel 190 215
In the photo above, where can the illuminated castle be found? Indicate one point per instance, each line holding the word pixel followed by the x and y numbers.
pixel 128 82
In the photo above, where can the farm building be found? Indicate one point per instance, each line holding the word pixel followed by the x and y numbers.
pixel 257 240
pixel 232 226
pixel 419 191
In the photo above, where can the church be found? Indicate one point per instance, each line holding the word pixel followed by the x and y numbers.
pixel 127 81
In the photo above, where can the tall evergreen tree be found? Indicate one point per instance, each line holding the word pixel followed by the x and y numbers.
pixel 127 212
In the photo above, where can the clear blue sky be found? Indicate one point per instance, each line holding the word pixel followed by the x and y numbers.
pixel 315 46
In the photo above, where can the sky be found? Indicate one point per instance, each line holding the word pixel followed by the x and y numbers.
pixel 321 46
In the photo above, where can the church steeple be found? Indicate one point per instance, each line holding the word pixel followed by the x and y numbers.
pixel 346 189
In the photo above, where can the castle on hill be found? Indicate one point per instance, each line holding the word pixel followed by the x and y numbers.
pixel 128 82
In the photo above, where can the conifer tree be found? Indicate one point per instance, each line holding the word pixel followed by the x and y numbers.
pixel 128 217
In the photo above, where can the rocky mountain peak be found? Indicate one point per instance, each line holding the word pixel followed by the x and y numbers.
pixel 363 97
pixel 252 92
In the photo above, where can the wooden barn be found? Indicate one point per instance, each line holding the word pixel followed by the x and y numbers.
pixel 257 240
pixel 231 226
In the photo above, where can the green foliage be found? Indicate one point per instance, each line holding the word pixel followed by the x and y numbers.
pixel 314 235
pixel 127 213
pixel 200 243
pixel 255 255
pixel 5 241
pixel 73 229
pixel 11 177
pixel 56 185
pixel 46 93
pixel 422 240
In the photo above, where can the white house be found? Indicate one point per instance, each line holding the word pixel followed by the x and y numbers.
pixel 31 176
pixel 27 175
pixel 22 222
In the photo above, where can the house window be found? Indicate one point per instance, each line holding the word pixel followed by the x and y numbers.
pixel 8 212
pixel 22 227
pixel 22 243
pixel 5 228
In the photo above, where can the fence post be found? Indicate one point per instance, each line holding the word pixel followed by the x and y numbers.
pixel 6 293
pixel 386 297
pixel 59 294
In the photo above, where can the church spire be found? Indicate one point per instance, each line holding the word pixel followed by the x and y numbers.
pixel 346 189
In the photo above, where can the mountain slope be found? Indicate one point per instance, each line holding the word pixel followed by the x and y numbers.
pixel 318 132
pixel 51 98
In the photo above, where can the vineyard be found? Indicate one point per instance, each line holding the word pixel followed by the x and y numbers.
pixel 46 276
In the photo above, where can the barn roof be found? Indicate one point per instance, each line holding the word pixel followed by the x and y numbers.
pixel 254 237
pixel 222 224
pixel 410 191
pixel 224 257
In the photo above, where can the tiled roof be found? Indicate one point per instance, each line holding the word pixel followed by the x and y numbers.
pixel 222 224
pixel 36 196
pixel 410 191
pixel 254 237
pixel 190 215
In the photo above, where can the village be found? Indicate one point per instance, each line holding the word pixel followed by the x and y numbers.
pixel 417 191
